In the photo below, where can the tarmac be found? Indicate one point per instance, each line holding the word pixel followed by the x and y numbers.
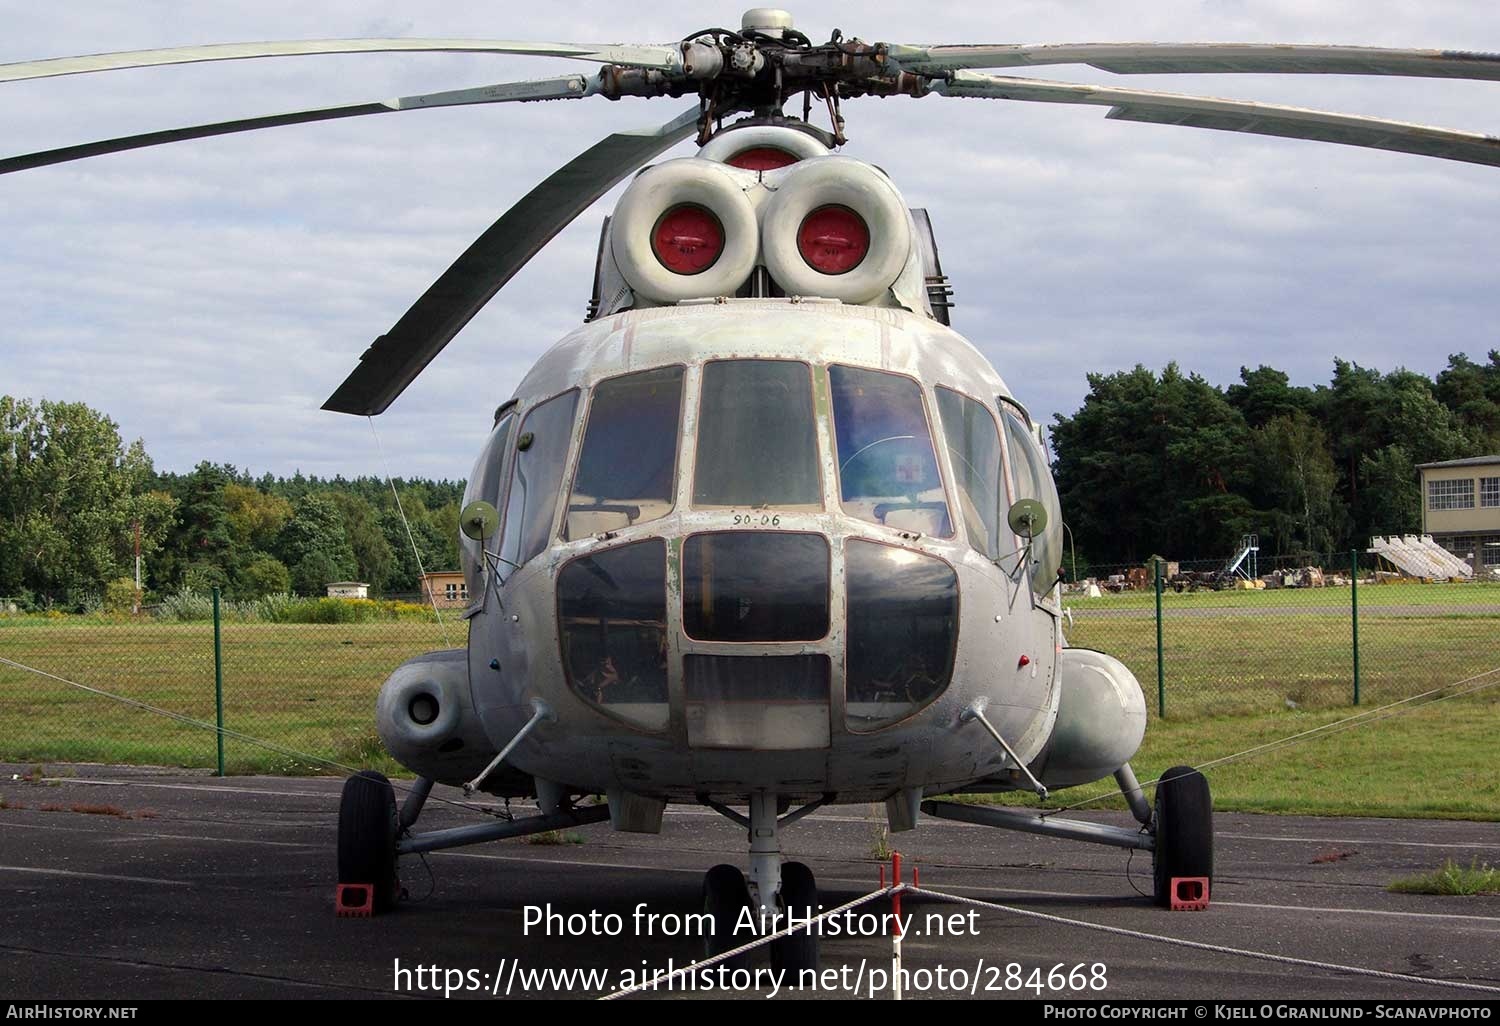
pixel 128 883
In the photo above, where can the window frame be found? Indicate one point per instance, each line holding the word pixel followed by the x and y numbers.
pixel 691 486
pixel 712 642
pixel 1461 487
pixel 1489 492
pixel 582 428
pixel 674 654
pixel 838 470
pixel 524 412
pixel 1002 528
pixel 958 620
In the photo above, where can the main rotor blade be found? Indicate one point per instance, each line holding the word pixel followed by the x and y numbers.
pixel 1236 116
pixel 567 87
pixel 398 356
pixel 1205 58
pixel 663 57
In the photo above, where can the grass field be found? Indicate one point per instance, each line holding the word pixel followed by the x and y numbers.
pixel 1249 668
pixel 309 687
pixel 1436 760
pixel 1453 598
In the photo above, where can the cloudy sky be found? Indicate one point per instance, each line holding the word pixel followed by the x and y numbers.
pixel 210 295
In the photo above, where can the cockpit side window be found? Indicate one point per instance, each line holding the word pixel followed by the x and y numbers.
pixel 484 483
pixel 1034 481
pixel 974 447
pixel 627 466
pixel 888 473
pixel 536 477
pixel 757 445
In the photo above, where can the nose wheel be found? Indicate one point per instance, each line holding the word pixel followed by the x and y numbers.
pixel 799 901
pixel 774 896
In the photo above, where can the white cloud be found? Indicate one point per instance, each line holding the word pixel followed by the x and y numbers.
pixel 209 295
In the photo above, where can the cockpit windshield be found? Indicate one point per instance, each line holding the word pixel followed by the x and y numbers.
pixel 627 466
pixel 888 473
pixel 757 446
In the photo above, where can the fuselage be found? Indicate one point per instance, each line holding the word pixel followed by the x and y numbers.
pixel 760 545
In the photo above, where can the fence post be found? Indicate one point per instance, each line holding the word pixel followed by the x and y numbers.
pixel 218 684
pixel 1161 675
pixel 1354 613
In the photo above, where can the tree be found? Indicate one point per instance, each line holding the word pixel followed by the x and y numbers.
pixel 1472 392
pixel 373 558
pixel 263 575
pixel 70 493
pixel 313 545
pixel 1153 463
pixel 1394 503
pixel 1265 394
pixel 254 517
pixel 1295 480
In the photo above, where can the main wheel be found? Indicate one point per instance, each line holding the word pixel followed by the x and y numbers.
pixel 1184 830
pixel 799 900
pixel 367 836
pixel 726 896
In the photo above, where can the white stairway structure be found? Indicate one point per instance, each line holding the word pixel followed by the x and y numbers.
pixel 1421 557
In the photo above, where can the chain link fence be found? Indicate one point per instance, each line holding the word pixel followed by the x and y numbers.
pixel 1203 640
pixel 1206 638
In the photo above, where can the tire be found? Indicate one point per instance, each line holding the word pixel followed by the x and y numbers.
pixel 1184 830
pixel 845 182
pixel 718 189
pixel 367 836
pixel 799 899
pixel 725 897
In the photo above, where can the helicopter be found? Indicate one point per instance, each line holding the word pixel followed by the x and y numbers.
pixel 765 532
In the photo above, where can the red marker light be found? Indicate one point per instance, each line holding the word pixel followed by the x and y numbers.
pixel 833 239
pixel 1025 661
pixel 761 158
pixel 687 239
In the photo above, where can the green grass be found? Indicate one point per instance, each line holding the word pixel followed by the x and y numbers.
pixel 1434 761
pixel 312 688
pixel 308 687
pixel 1452 879
pixel 1452 597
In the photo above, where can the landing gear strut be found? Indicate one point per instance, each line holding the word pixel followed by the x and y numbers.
pixel 775 894
pixel 1179 832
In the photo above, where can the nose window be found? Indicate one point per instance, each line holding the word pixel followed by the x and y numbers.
pixel 612 614
pixel 629 456
pixel 768 703
pixel 888 474
pixel 756 443
pixel 747 586
pixel 903 626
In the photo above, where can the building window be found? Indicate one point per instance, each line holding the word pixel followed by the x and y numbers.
pixel 1450 494
pixel 450 591
pixel 1487 552
pixel 1489 492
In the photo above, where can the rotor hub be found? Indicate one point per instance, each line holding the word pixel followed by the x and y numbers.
pixel 773 21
